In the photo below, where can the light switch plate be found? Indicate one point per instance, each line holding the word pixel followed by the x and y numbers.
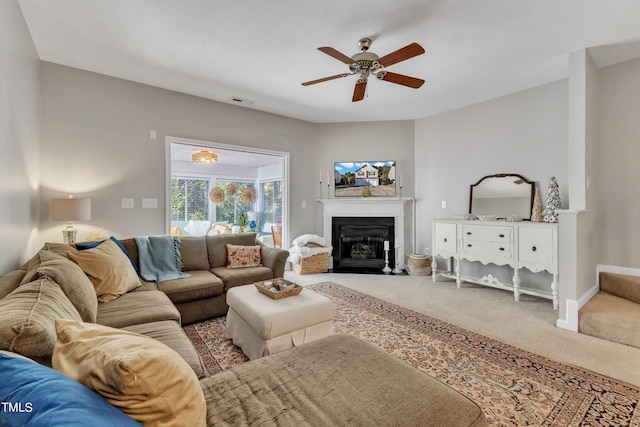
pixel 127 203
pixel 149 203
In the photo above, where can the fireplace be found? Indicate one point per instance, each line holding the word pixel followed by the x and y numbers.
pixel 358 243
pixel 363 209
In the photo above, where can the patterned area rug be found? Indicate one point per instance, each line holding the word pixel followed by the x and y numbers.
pixel 512 386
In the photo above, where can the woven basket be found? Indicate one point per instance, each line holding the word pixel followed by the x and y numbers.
pixel 419 265
pixel 318 263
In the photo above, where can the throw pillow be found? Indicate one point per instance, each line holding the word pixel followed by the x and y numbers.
pixel 74 283
pixel 137 374
pixel 108 268
pixel 243 256
pixel 37 395
pixel 27 316
pixel 32 265
pixel 90 245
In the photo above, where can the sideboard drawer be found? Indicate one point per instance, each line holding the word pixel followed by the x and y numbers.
pixel 535 245
pixel 487 249
pixel 445 236
pixel 487 233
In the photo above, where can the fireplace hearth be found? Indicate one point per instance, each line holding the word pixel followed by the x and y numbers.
pixel 358 244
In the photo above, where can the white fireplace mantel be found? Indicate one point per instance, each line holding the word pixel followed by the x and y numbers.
pixel 364 207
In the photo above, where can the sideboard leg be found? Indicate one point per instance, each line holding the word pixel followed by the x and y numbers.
pixel 554 291
pixel 434 267
pixel 458 271
pixel 516 284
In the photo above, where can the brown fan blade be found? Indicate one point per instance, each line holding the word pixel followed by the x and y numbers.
pixel 409 51
pixel 325 79
pixel 339 56
pixel 358 92
pixel 403 80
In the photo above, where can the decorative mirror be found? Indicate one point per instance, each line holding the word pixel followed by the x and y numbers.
pixel 502 196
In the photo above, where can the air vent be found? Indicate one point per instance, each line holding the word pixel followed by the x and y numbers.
pixel 239 100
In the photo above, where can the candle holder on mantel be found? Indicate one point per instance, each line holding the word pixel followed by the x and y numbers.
pixel 386 269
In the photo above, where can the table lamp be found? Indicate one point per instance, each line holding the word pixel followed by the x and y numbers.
pixel 69 210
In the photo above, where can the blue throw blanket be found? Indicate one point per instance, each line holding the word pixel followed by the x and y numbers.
pixel 159 258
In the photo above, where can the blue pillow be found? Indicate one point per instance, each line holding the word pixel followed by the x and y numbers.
pixel 35 395
pixel 90 245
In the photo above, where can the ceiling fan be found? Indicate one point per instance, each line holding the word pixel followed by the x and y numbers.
pixel 367 64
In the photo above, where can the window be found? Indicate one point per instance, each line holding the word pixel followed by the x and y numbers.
pixel 271 202
pixel 189 199
pixel 233 207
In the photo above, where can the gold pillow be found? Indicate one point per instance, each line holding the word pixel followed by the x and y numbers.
pixel 108 268
pixel 142 377
pixel 243 256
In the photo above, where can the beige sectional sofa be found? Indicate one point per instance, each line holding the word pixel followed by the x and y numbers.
pixel 613 313
pixel 48 303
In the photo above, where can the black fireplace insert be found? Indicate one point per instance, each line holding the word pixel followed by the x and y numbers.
pixel 359 242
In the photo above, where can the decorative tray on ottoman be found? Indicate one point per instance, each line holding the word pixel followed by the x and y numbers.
pixel 278 288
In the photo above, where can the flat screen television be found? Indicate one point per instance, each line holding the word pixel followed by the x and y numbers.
pixel 365 179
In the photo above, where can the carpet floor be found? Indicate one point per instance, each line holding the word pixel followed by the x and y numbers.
pixel 512 386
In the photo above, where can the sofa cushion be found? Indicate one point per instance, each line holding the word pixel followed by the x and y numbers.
pixel 134 308
pixel 74 283
pixel 172 335
pixel 27 318
pixel 200 284
pixel 338 380
pixel 137 374
pixel 243 256
pixel 194 253
pixel 32 265
pixel 10 281
pixel 48 397
pixel 132 249
pixel 242 276
pixel 108 268
pixel 621 285
pixel 218 253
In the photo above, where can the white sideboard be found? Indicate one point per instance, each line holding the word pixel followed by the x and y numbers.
pixel 530 245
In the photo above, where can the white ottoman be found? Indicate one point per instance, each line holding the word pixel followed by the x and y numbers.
pixel 261 326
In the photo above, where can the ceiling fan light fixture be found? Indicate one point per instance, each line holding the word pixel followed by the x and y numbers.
pixel 205 156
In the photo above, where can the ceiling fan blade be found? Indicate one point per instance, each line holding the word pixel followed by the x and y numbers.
pixel 409 51
pixel 403 80
pixel 334 53
pixel 325 79
pixel 358 92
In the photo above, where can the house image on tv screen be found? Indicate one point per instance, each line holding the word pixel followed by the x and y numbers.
pixel 365 179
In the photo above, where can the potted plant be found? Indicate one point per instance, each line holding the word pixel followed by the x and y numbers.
pixel 242 222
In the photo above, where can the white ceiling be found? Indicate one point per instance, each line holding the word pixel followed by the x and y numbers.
pixel 262 50
pixel 226 157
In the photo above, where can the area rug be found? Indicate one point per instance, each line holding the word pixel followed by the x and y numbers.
pixel 512 386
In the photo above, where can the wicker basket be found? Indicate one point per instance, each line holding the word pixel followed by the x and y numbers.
pixel 265 287
pixel 318 263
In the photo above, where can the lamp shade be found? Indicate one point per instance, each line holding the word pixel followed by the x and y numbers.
pixel 70 209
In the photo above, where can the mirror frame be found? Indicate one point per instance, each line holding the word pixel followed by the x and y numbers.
pixel 505 175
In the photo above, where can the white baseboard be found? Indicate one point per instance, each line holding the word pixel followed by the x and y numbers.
pixel 571 321
pixel 617 270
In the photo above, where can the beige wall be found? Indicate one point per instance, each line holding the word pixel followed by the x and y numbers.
pixel 96 144
pixel 366 141
pixel 19 136
pixel 619 154
pixel 523 133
